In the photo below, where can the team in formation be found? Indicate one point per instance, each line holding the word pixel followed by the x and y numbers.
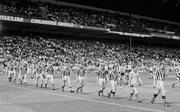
pixel 111 75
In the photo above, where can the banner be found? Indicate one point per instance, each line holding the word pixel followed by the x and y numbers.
pixel 176 37
pixel 167 34
pixel 45 22
pixel 161 35
pixel 11 18
pixel 94 28
pixel 66 24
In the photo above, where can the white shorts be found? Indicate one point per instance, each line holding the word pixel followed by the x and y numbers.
pixel 113 85
pixel 178 79
pixel 50 77
pixel 18 75
pixel 67 78
pixel 23 76
pixel 134 84
pixel 39 75
pixel 160 86
pixel 81 79
pixel 102 82
pixel 11 73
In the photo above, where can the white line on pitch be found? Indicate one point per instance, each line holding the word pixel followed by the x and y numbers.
pixel 84 99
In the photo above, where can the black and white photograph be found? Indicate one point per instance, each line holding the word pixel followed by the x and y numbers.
pixel 89 56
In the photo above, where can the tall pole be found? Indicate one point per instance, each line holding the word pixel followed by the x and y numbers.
pixel 130 42
pixel 130 38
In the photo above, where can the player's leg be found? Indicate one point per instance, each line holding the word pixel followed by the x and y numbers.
pixel 52 82
pixel 154 81
pixel 21 77
pixel 46 81
pixel 132 93
pixel 63 83
pixel 25 78
pixel 42 79
pixel 155 95
pixel 37 79
pixel 177 81
pixel 125 79
pixel 15 77
pixel 163 94
pixel 80 84
pixel 69 84
pixel 119 80
pixel 102 87
pixel 10 76
pixel 114 88
pixel 112 91
pixel 8 73
pixel 136 94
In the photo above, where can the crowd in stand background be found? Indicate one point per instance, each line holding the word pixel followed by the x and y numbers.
pixel 86 17
pixel 89 53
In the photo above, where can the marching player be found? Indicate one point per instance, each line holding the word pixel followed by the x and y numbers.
pixel 112 77
pixel 11 71
pixel 39 75
pixel 150 70
pixel 23 70
pixel 101 79
pixel 81 77
pixel 177 76
pixel 160 77
pixel 49 75
pixel 17 72
pixel 66 77
pixel 123 75
pixel 32 70
pixel 134 81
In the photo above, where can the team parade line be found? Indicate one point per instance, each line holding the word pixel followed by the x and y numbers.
pixel 111 75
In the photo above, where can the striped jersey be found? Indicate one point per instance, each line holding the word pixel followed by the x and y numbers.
pixel 66 72
pixel 81 72
pixel 39 70
pixel 112 76
pixel 102 74
pixel 17 69
pixel 134 77
pixel 160 74
pixel 178 72
pixel 23 70
pixel 50 70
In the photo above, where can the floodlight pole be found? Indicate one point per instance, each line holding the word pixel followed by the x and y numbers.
pixel 130 38
pixel 130 42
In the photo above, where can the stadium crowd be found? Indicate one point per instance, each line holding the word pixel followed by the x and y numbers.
pixel 70 51
pixel 87 17
pixel 44 57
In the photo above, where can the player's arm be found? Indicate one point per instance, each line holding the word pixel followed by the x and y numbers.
pixel 130 79
pixel 107 77
pixel 140 80
pixel 77 74
pixel 62 73
pixel 178 74
pixel 97 78
pixel 85 76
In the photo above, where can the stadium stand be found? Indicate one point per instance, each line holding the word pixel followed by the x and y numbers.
pixel 87 17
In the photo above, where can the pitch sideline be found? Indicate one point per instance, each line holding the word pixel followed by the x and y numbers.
pixel 83 99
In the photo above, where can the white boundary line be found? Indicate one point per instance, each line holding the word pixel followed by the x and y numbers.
pixel 84 99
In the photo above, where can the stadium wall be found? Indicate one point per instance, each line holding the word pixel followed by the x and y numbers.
pixel 25 25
